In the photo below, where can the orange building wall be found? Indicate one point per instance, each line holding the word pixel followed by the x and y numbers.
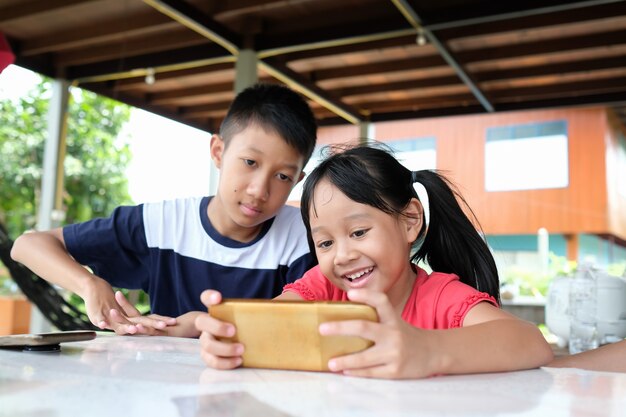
pixel 580 208
pixel 616 201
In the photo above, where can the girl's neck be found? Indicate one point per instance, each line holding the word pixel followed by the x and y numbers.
pixel 401 291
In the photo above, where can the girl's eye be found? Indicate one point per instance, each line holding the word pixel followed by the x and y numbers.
pixel 325 244
pixel 284 177
pixel 249 162
pixel 359 233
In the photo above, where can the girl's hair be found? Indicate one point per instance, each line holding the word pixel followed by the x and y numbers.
pixel 371 175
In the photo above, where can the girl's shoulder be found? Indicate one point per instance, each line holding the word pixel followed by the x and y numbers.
pixel 441 300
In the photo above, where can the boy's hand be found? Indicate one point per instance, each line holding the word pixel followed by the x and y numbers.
pixel 217 354
pixel 100 302
pixel 152 324
pixel 399 351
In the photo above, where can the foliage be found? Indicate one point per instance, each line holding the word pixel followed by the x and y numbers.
pixel 531 283
pixel 95 161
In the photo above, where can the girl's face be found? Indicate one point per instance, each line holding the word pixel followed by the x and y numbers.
pixel 359 246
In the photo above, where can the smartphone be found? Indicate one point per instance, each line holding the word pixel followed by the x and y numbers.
pixel 45 341
pixel 282 334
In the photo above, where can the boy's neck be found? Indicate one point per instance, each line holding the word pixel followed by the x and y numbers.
pixel 224 225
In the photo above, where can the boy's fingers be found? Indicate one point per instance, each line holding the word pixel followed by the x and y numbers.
pixel 126 306
pixel 210 297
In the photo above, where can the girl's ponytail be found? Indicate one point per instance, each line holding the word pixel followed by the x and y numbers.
pixel 451 243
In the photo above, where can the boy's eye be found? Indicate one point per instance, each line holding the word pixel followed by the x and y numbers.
pixel 284 177
pixel 249 162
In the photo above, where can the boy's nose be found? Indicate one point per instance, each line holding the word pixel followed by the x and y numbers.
pixel 259 189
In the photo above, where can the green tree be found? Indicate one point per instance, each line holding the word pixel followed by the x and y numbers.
pixel 95 162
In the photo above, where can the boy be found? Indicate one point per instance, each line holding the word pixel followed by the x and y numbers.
pixel 243 241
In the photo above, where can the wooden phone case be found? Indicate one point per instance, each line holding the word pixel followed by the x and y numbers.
pixel 281 334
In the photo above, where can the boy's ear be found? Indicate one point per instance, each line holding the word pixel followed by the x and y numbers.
pixel 217 150
pixel 413 216
pixel 302 174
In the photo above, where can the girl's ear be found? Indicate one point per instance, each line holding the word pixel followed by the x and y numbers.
pixel 217 150
pixel 413 215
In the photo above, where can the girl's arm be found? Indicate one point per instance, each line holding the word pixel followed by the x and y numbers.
pixel 490 341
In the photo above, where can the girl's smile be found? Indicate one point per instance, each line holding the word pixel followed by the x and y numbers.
pixel 358 279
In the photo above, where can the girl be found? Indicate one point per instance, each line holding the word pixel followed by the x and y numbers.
pixel 365 214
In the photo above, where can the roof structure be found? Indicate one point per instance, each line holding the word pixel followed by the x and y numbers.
pixel 355 60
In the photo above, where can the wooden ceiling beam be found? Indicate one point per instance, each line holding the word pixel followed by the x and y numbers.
pixel 406 64
pixel 193 56
pixel 133 83
pixel 137 102
pixel 167 97
pixel 571 67
pixel 397 86
pixel 593 11
pixel 571 43
pixel 29 9
pixel 567 89
pixel 504 11
pixel 192 18
pixel 164 42
pixel 102 32
pixel 204 25
pixel 416 21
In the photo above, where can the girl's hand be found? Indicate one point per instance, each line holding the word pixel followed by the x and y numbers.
pixel 215 353
pixel 400 350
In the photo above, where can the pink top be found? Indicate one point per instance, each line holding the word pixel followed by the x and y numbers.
pixel 437 301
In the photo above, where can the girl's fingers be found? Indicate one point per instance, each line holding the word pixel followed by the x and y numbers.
pixel 378 300
pixel 207 324
pixel 362 328
pixel 170 321
pixel 210 297
pixel 368 358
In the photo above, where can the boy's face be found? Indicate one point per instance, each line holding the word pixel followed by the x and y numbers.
pixel 258 169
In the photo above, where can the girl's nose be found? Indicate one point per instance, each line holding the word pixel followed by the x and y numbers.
pixel 344 254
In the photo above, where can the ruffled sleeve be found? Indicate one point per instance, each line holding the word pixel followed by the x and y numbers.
pixel 314 286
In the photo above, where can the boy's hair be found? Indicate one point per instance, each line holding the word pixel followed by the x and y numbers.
pixel 277 109
pixel 372 176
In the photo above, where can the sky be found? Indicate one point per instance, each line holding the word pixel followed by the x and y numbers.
pixel 169 160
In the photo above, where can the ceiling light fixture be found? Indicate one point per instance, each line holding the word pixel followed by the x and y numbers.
pixel 421 37
pixel 150 76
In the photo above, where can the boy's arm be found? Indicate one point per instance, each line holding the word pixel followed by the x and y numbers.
pixel 608 358
pixel 45 254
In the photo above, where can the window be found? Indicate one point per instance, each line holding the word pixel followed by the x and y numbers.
pixel 526 157
pixel 415 154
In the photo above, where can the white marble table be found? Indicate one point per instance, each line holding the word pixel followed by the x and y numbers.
pixel 124 376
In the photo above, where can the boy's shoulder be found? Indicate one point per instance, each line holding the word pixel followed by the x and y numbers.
pixel 288 215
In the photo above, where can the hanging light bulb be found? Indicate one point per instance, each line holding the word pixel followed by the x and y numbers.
pixel 150 76
pixel 421 37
